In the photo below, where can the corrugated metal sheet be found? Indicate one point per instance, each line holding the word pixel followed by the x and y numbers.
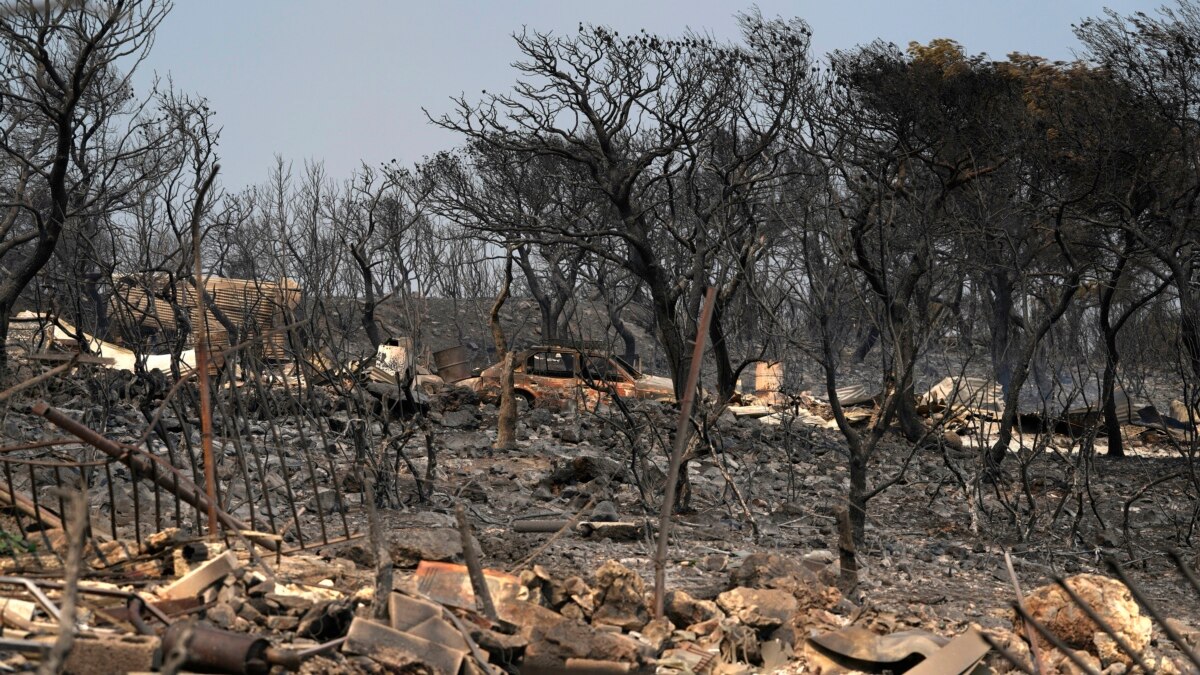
pixel 251 306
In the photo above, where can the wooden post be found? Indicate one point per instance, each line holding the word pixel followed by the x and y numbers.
pixel 681 433
pixel 210 468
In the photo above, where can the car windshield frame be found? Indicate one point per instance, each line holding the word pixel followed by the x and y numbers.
pixel 637 374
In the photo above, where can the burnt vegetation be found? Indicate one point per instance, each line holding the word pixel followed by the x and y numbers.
pixel 954 322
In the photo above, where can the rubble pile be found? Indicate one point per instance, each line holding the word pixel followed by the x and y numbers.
pixel 208 607
pixel 564 529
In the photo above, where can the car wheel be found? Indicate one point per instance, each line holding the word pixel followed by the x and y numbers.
pixel 524 399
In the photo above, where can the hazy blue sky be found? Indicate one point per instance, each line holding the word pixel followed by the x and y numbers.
pixel 344 81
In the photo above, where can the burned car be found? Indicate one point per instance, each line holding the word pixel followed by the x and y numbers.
pixel 571 371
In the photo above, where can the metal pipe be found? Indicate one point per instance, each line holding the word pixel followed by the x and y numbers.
pixel 107 593
pixel 134 459
pixel 42 599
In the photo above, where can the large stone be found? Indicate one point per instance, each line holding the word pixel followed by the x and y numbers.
pixel 766 570
pixel 570 433
pixel 761 608
pixel 540 417
pixel 1111 599
pixel 584 469
pixel 411 545
pixel 684 610
pixel 620 597
pixel 460 441
pixel 462 418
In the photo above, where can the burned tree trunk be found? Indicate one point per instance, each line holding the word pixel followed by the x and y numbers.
pixel 506 423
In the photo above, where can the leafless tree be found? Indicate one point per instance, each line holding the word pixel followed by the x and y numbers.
pixel 71 131
pixel 635 114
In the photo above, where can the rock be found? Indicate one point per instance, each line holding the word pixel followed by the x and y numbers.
pixel 409 546
pixel 289 603
pixel 657 632
pixel 727 420
pixel 463 418
pixel 684 610
pixel 327 500
pixel 539 417
pixel 550 648
pixel 248 612
pixel 714 562
pixel 554 639
pixel 620 597
pixel 459 441
pixel 499 645
pixel 1051 606
pixel 604 512
pixel 1058 662
pixel 584 469
pixel 761 608
pixel 282 623
pixel 769 570
pixel 570 434
pixel 765 570
pixel 222 615
pixel 573 612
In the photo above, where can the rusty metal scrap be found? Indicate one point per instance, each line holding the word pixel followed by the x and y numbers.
pixel 169 480
pixel 209 649
pixel 859 644
pixel 570 371
pixel 149 301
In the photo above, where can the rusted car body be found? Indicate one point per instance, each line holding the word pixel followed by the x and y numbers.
pixel 571 372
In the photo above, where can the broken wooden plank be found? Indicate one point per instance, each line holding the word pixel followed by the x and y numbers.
pixel 194 582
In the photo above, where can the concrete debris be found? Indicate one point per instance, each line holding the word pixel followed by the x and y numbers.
pixel 619 598
pixel 411 545
pixel 759 607
pixel 775 611
pixel 686 611
pixel 108 654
